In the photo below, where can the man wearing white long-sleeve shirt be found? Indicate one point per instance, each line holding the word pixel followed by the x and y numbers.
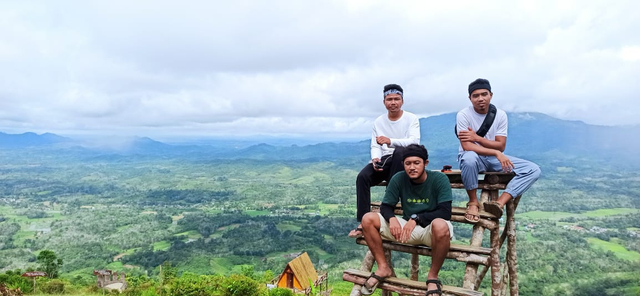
pixel 391 133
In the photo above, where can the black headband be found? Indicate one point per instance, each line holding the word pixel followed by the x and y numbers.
pixel 479 83
pixel 415 150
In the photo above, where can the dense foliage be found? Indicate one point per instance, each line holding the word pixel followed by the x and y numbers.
pixel 214 218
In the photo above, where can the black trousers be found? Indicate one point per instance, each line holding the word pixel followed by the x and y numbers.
pixel 369 177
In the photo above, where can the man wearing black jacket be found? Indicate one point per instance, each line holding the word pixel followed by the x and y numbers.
pixel 426 205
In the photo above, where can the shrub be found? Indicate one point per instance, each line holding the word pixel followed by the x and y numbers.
pixel 191 285
pixel 280 292
pixel 151 291
pixel 240 285
pixel 14 281
pixel 52 287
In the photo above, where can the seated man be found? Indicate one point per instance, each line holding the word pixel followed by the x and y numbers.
pixel 426 205
pixel 484 153
pixel 391 133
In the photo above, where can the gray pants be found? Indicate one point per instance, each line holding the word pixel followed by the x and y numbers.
pixel 471 164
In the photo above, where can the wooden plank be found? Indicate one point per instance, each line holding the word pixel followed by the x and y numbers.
pixel 485 178
pixel 454 247
pixel 459 211
pixel 404 286
pixel 476 256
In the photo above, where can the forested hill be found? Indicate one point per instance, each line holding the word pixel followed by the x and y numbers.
pixel 533 135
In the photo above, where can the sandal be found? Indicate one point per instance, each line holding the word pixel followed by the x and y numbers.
pixel 438 291
pixel 368 290
pixel 356 233
pixel 494 208
pixel 476 216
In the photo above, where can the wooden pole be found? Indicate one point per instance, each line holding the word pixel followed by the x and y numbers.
pixel 495 262
pixel 512 258
pixel 503 237
pixel 476 240
pixel 387 256
pixel 415 266
pixel 367 265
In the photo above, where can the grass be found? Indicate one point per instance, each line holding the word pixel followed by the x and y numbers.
pixel 287 226
pixel 530 238
pixel 115 266
pixel 254 213
pixel 192 234
pixel 617 249
pixel 611 212
pixel 326 208
pixel 590 214
pixel 547 215
pixel 221 265
pixel 161 246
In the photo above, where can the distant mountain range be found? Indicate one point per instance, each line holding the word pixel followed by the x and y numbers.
pixel 30 140
pixel 530 135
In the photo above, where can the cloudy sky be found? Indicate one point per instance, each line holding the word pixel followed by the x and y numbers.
pixel 306 68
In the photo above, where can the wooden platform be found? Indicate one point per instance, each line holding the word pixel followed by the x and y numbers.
pixel 462 253
pixel 405 286
pixel 473 254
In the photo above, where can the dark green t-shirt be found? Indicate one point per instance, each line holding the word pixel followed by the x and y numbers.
pixel 418 198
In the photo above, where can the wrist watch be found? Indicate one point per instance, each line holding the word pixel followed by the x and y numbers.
pixel 414 217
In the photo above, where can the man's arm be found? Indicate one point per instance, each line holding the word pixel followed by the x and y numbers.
pixel 414 135
pixel 443 210
pixel 387 211
pixel 468 140
pixel 376 149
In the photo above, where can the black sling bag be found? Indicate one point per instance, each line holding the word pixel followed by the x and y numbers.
pixel 486 123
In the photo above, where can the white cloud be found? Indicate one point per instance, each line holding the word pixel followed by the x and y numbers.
pixel 292 67
pixel 630 53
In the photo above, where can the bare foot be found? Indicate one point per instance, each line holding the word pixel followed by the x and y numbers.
pixel 472 213
pixel 355 233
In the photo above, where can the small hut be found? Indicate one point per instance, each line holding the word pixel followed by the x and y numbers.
pixel 298 274
pixel 110 280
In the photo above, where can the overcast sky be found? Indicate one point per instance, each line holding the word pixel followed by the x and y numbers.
pixel 310 68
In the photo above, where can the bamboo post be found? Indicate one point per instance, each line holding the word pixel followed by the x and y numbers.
pixel 505 279
pixel 387 256
pixel 503 237
pixel 367 264
pixel 415 266
pixel 476 241
pixel 495 262
pixel 512 259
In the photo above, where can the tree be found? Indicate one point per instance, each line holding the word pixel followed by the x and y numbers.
pixel 49 263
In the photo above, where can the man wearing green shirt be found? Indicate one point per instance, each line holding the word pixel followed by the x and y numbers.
pixel 426 205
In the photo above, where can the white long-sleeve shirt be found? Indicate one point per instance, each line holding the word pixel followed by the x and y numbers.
pixel 402 132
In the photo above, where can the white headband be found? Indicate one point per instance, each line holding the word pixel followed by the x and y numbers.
pixel 392 91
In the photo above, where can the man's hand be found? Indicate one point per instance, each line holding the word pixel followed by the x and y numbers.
pixel 395 228
pixel 383 140
pixel 468 136
pixel 373 162
pixel 505 162
pixel 407 230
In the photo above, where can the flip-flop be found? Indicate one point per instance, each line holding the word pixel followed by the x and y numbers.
pixel 476 215
pixel 438 291
pixel 369 290
pixel 493 208
pixel 359 229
